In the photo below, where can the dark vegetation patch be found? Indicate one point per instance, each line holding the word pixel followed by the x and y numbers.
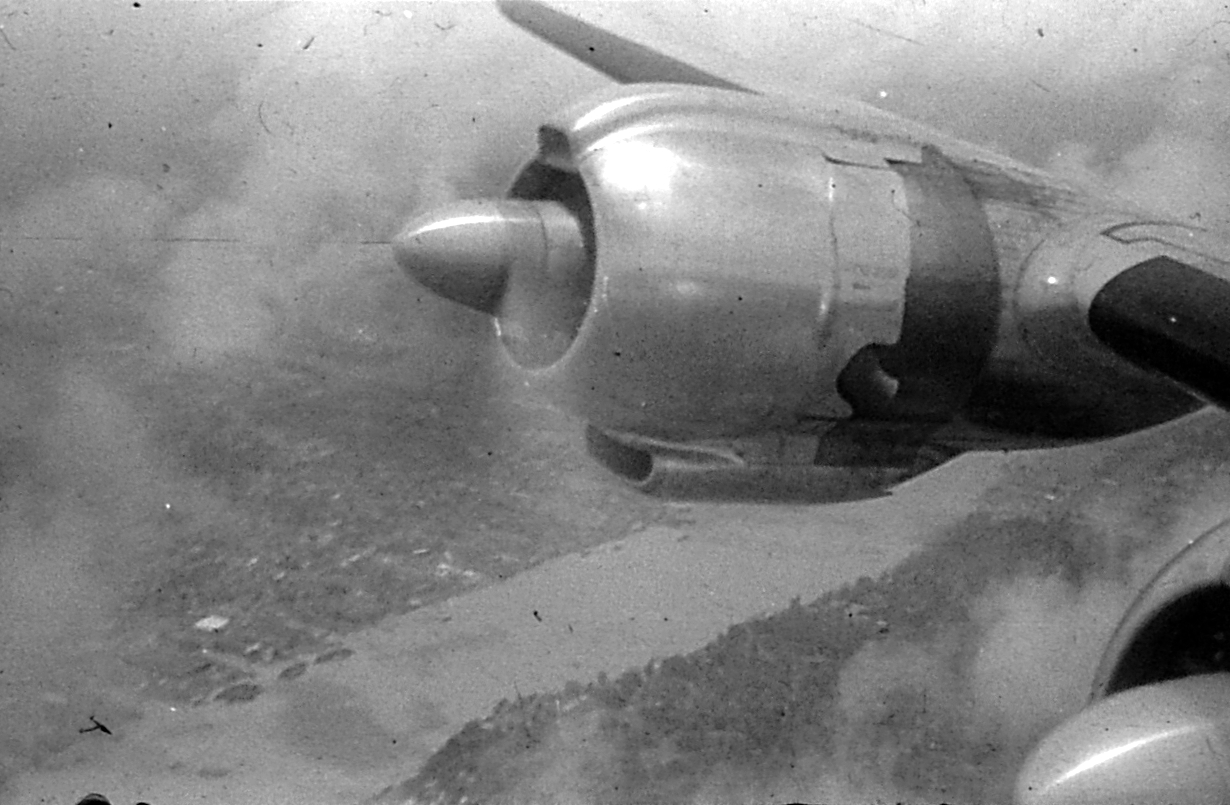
pixel 761 700
pixel 347 497
pixel 763 694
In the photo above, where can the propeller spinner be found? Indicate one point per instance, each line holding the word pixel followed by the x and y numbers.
pixel 524 262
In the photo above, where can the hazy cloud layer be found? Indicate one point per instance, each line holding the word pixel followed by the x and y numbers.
pixel 206 181
pixel 298 129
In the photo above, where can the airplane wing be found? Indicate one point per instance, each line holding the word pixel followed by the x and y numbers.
pixel 621 59
pixel 629 62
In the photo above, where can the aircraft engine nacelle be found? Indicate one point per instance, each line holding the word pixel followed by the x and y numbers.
pixel 681 264
pixel 721 282
pixel 1157 728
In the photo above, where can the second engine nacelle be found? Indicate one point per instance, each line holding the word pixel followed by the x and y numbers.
pixel 1157 728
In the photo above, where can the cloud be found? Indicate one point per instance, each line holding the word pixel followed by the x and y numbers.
pixel 209 181
pixel 1041 639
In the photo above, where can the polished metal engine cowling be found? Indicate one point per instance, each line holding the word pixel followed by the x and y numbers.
pixel 749 271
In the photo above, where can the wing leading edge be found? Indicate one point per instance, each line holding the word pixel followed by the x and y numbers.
pixel 620 59
pixel 628 62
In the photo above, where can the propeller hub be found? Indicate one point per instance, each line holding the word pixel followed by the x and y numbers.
pixel 524 262
pixel 462 251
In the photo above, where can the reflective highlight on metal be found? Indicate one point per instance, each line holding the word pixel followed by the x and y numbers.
pixel 1168 742
pixel 461 252
pixel 526 263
